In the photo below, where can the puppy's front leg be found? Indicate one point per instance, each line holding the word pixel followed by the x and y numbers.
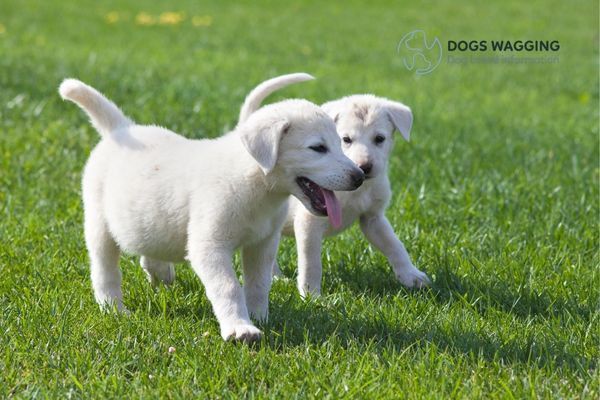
pixel 380 233
pixel 257 261
pixel 309 236
pixel 213 264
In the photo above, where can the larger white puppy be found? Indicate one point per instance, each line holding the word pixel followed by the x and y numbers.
pixel 149 191
pixel 366 124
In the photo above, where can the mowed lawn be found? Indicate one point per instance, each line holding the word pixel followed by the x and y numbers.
pixel 496 197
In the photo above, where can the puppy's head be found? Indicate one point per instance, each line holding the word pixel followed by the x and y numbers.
pixel 366 125
pixel 297 147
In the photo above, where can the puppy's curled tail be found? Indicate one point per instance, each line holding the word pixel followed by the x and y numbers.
pixel 262 91
pixel 106 117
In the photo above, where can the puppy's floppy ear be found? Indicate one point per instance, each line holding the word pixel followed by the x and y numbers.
pixel 262 140
pixel 401 116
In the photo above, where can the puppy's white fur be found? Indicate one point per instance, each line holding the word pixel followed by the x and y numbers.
pixel 151 192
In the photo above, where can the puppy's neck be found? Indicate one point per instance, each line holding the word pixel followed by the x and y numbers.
pixel 269 185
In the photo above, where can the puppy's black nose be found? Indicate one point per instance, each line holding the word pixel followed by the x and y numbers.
pixel 366 168
pixel 357 179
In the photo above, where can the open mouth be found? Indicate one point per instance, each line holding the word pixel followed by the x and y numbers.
pixel 322 201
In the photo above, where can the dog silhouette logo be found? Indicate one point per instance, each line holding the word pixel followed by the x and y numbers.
pixel 418 54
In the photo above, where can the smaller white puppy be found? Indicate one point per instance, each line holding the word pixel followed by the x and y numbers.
pixel 366 124
pixel 151 192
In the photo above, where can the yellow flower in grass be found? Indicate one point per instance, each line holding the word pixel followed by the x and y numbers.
pixel 112 17
pixel 306 50
pixel 2 29
pixel 202 20
pixel 145 19
pixel 170 18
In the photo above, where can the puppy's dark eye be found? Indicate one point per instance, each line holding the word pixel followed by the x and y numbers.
pixel 379 139
pixel 319 148
pixel 347 139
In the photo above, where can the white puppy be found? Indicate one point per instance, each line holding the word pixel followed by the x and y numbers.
pixel 149 191
pixel 366 124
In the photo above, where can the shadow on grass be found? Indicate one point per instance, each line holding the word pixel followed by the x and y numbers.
pixel 448 287
pixel 295 324
pixel 315 322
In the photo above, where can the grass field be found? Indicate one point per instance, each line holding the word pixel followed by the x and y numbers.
pixel 496 197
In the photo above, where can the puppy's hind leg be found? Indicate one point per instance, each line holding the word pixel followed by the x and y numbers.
pixel 104 261
pixel 158 271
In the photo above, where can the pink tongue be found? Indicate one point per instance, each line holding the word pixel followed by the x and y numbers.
pixel 334 211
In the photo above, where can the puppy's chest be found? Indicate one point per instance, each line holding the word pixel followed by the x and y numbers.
pixel 355 204
pixel 261 223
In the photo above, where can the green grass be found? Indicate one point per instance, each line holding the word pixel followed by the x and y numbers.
pixel 496 197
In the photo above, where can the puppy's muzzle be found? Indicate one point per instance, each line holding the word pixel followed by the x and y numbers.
pixel 357 177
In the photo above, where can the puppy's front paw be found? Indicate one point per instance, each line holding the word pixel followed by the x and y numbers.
pixel 307 292
pixel 411 277
pixel 246 333
pixel 109 305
